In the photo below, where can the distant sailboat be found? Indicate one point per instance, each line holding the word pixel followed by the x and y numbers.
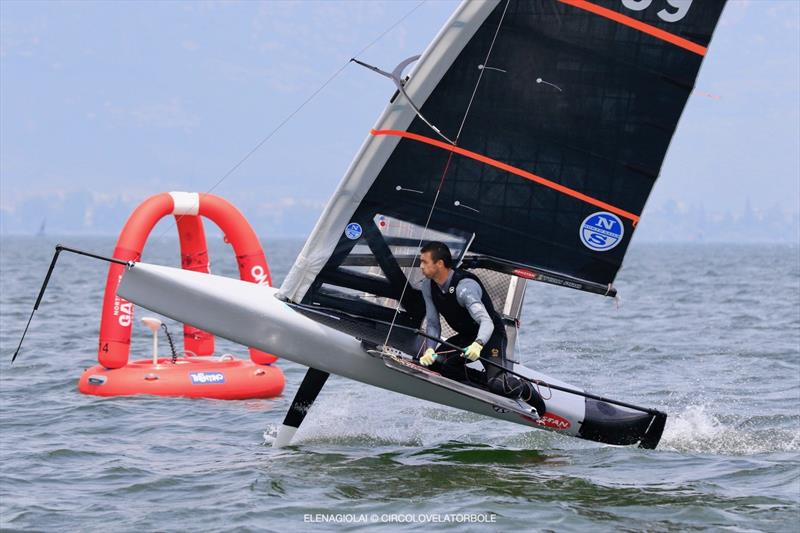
pixel 41 232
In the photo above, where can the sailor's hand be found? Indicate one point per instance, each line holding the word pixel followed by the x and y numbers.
pixel 428 357
pixel 473 351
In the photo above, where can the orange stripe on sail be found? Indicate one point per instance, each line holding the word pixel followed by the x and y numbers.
pixel 508 168
pixel 637 25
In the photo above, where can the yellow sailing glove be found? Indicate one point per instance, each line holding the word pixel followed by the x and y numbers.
pixel 428 357
pixel 473 351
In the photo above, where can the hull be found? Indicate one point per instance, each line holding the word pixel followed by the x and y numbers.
pixel 252 315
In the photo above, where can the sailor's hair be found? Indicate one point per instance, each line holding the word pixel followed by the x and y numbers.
pixel 439 251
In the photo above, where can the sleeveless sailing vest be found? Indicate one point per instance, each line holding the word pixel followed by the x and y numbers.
pixel 457 316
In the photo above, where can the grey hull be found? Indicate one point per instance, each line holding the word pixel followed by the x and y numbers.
pixel 251 315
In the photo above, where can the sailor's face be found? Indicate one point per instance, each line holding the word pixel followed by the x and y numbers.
pixel 428 266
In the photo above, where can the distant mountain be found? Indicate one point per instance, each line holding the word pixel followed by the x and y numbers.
pixel 83 212
pixel 675 222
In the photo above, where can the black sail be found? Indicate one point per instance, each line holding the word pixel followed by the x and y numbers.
pixel 559 138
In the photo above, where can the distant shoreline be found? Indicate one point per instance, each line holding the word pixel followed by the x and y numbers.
pixel 214 235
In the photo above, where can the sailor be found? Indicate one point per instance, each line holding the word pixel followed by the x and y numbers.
pixel 459 297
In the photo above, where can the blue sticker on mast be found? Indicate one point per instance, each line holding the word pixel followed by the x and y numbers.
pixel 353 231
pixel 601 231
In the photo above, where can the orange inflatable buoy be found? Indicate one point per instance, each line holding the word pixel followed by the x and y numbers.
pixel 225 378
pixel 181 376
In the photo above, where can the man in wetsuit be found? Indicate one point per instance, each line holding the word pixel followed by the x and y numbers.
pixel 460 298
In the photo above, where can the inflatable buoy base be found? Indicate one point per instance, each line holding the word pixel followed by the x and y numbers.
pixel 225 378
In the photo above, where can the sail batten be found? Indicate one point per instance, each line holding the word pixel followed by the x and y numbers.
pixel 509 168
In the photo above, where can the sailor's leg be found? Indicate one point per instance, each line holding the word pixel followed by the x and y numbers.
pixel 505 384
pixel 531 396
pixel 496 379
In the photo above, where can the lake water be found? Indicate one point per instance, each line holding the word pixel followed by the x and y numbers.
pixel 709 333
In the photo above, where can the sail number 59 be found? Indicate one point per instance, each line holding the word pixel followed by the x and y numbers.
pixel 681 8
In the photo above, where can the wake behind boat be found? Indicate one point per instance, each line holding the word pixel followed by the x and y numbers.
pixel 527 137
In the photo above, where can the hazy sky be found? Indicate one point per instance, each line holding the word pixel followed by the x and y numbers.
pixel 110 102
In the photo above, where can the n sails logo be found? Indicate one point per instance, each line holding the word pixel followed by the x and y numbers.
pixel 601 231
pixel 353 231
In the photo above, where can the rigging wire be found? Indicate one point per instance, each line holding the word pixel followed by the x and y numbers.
pixel 444 173
pixel 298 109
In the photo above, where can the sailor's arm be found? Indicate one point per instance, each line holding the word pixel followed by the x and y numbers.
pixel 432 324
pixel 469 295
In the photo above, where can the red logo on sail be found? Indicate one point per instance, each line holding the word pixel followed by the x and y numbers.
pixel 553 421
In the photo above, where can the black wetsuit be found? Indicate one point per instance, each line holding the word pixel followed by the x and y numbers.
pixel 452 364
